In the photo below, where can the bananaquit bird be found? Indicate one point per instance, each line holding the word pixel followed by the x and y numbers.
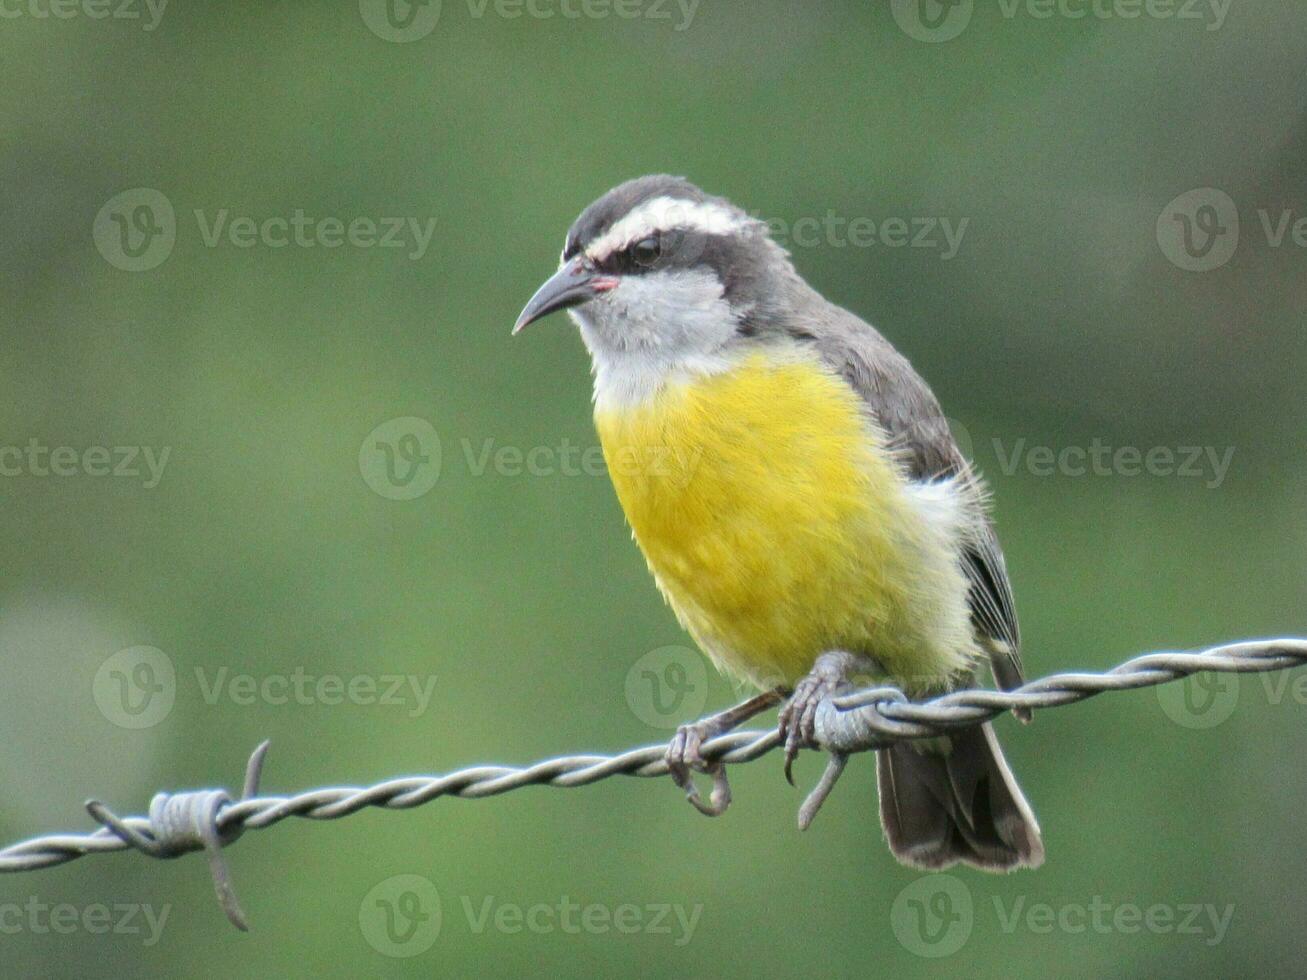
pixel 799 498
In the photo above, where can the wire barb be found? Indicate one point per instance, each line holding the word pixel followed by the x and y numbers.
pixel 180 823
pixel 857 722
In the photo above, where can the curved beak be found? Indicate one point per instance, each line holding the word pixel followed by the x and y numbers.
pixel 572 285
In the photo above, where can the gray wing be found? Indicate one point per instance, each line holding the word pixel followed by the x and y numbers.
pixel 911 415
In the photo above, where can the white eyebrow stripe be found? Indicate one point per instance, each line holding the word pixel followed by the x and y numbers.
pixel 663 213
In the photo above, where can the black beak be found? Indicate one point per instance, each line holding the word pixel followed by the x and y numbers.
pixel 572 285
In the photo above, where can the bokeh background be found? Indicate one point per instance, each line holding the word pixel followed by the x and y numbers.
pixel 154 622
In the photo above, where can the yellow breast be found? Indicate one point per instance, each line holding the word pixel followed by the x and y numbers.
pixel 778 527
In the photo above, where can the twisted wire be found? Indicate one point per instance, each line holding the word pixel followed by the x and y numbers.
pixel 856 722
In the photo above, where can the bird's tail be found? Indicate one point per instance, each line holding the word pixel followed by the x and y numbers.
pixel 941 806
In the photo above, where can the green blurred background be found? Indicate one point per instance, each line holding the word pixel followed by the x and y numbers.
pixel 274 539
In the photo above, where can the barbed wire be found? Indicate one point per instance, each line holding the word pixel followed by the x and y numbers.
pixel 209 820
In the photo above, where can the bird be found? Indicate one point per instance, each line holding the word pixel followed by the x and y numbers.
pixel 799 498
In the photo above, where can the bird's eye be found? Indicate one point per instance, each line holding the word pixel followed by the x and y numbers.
pixel 647 251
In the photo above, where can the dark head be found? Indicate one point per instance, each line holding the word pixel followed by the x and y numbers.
pixel 657 273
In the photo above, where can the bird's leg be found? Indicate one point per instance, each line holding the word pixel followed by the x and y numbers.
pixel 684 754
pixel 829 674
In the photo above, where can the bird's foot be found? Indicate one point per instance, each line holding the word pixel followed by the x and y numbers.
pixel 798 721
pixel 685 752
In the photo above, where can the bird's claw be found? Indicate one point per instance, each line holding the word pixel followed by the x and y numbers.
pixel 685 757
pixel 685 752
pixel 798 719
